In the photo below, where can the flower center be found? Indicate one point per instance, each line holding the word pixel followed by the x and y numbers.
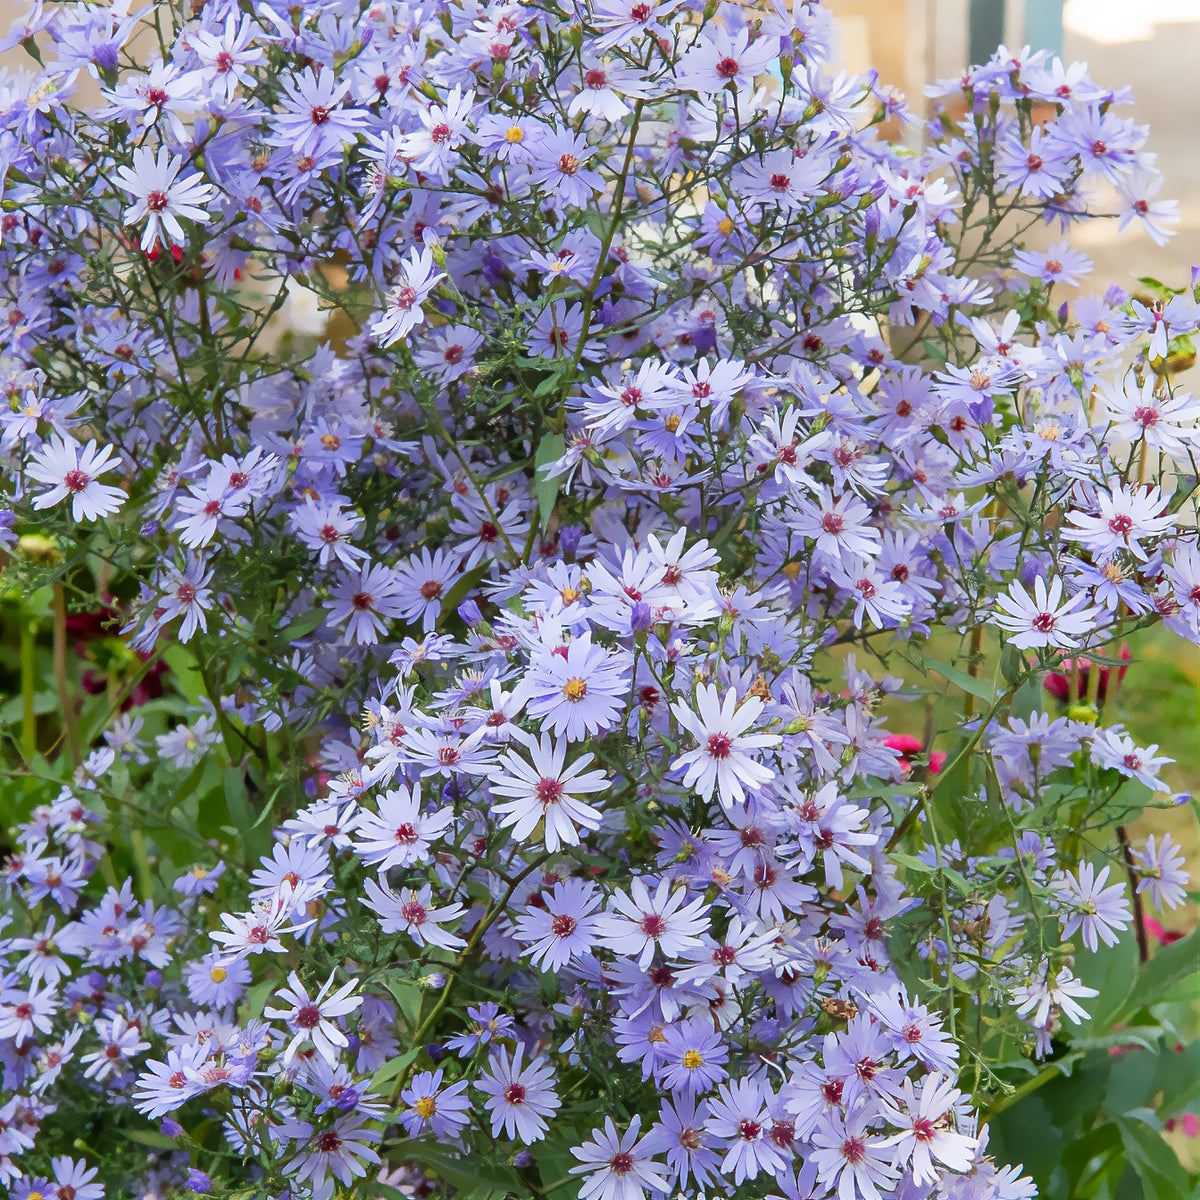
pixel 515 1093
pixel 718 745
pixel 621 1164
pixel 693 1059
pixel 309 1017
pixel 653 925
pixel 562 925
pixel 76 481
pixel 575 689
pixel 549 791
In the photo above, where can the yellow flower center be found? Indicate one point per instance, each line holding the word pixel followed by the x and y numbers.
pixel 515 134
pixel 218 974
pixel 426 1106
pixel 693 1059
pixel 575 689
pixel 725 225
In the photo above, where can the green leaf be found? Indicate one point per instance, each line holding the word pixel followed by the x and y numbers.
pixel 478 1180
pixel 1171 965
pixel 148 1137
pixel 1156 1164
pixel 407 993
pixel 186 675
pixel 976 687
pixel 237 800
pixel 392 1068
pixel 550 449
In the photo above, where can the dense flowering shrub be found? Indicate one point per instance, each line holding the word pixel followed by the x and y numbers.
pixel 493 749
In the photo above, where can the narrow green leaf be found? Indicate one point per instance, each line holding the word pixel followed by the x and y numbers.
pixel 550 448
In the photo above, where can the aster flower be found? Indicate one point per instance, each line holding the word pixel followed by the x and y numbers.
pixel 71 470
pixel 341 1151
pixel 638 922
pixel 1167 423
pixel 365 601
pixel 722 761
pixel 1044 619
pixel 1101 912
pixel 412 912
pixel 739 1114
pixel 1044 997
pixel 163 195
pixel 26 1011
pixel 546 792
pixel 403 313
pixel 577 692
pixel 325 527
pixel 487 1023
pixel 399 834
pixel 520 1095
pixel 563 926
pixel 1163 872
pixel 429 1106
pixel 849 1157
pixel 559 168
pixel 722 56
pixel 312 120
pixel 618 1166
pixel 692 1151
pixel 1123 516
pixel 262 928
pixel 838 525
pixel 163 1086
pixel 423 582
pixel 186 593
pixel 927 1129
pixel 693 1057
pixel 315 1018
pixel 1115 749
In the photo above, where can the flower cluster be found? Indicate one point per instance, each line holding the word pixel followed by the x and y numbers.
pixel 517 811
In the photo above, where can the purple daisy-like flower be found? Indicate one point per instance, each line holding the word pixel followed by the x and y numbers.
pixel 694 1057
pixel 72 470
pixel 618 1166
pixel 579 689
pixel 1044 619
pixel 163 195
pixel 441 1111
pixel 315 1018
pixel 740 1114
pixel 545 792
pixel 637 923
pixel 563 926
pixel 721 762
pixel 1100 912
pixel 520 1095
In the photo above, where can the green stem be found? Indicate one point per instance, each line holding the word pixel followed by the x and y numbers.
pixel 28 684
pixel 66 704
